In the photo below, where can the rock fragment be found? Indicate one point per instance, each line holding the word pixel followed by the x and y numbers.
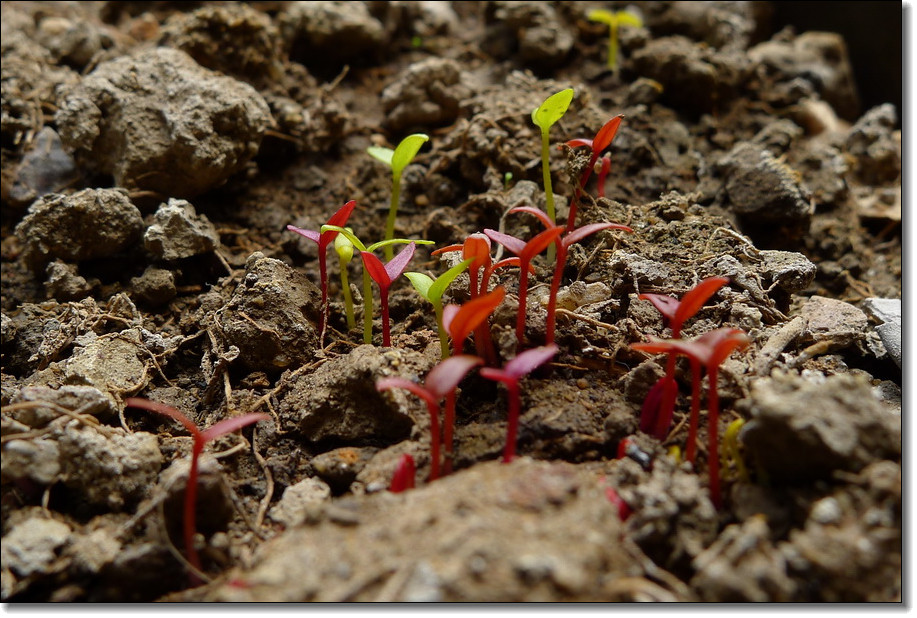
pixel 179 232
pixel 159 121
pixel 833 424
pixel 426 94
pixel 92 223
pixel 272 316
pixel 762 188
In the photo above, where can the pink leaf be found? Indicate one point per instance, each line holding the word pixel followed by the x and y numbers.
pixel 161 408
pixel 581 232
pixel 443 378
pixel 695 298
pixel 310 234
pixel 229 425
pixel 399 263
pixel 542 216
pixel 666 305
pixel 510 242
pixel 405 471
pixel 527 361
pixel 395 382
pixel 579 141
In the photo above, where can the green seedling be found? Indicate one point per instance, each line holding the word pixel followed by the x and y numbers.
pixel 731 451
pixel 367 280
pixel 522 365
pixel 200 439
pixel 526 252
pixel 433 290
pixel 563 244
pixel 708 351
pixel 614 20
pixel 440 383
pixel 323 239
pixel 397 159
pixel 545 115
pixel 384 275
pixel 344 248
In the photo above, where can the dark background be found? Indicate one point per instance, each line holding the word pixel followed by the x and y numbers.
pixel 874 35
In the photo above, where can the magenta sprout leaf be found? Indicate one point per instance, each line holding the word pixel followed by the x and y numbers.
pixel 443 378
pixel 528 361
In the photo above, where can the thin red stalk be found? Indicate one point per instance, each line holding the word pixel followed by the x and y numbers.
pixel 713 417
pixel 555 288
pixel 571 218
pixel 603 174
pixel 667 403
pixel 191 511
pixel 386 333
pixel 691 450
pixel 512 424
pixel 448 429
pixel 434 440
pixel 473 283
pixel 523 293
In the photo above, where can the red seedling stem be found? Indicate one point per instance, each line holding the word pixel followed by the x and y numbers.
pixel 659 409
pixel 523 364
pixel 708 350
pixel 563 247
pixel 600 142
pixel 526 252
pixel 324 239
pixel 604 170
pixel 199 440
pixel 384 275
pixel 405 471
pixel 440 383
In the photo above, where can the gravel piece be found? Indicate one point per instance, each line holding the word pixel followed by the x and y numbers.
pixel 426 94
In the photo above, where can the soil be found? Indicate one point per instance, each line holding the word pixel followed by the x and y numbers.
pixel 153 154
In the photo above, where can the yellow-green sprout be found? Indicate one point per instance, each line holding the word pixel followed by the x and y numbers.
pixel 614 20
pixel 545 115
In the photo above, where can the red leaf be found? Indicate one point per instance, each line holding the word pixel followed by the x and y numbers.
pixel 473 313
pixel 579 141
pixel 542 216
pixel 310 234
pixel 606 134
pixel 395 382
pixel 540 243
pixel 695 298
pixel 376 269
pixel 666 305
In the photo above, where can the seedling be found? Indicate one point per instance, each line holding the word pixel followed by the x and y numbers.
pixel 433 291
pixel 384 275
pixel 461 321
pixel 604 170
pixel 614 20
pixel 523 364
pixel 659 406
pixel 563 244
pixel 545 115
pixel 397 159
pixel 731 451
pixel 344 248
pixel 200 438
pixel 405 471
pixel 526 252
pixel 709 350
pixel 367 281
pixel 623 509
pixel 323 239
pixel 477 249
pixel 440 383
pixel 599 143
